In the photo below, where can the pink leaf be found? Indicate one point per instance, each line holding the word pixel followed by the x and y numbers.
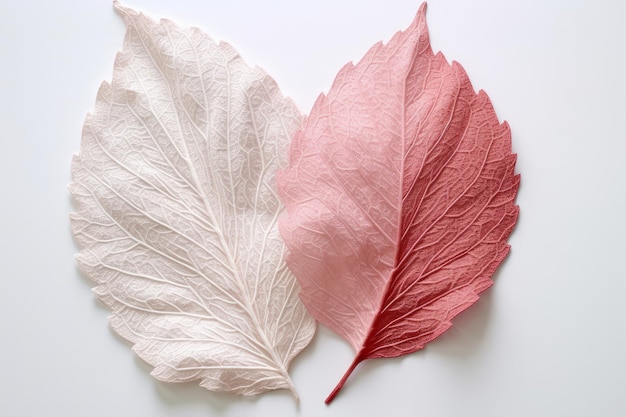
pixel 400 198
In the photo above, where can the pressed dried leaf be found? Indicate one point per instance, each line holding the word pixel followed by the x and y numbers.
pixel 400 198
pixel 177 210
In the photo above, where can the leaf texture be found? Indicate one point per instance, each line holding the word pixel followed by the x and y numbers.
pixel 400 198
pixel 177 210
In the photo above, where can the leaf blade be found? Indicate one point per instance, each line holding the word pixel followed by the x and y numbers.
pixel 177 213
pixel 404 175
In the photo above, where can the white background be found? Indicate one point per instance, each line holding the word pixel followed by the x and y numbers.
pixel 547 339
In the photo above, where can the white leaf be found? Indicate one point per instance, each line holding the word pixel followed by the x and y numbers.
pixel 177 210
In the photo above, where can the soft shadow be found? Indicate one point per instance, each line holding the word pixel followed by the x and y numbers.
pixel 471 327
pixel 467 335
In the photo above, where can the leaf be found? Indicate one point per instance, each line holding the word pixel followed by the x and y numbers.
pixel 399 198
pixel 177 210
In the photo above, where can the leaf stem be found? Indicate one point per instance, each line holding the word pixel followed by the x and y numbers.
pixel 292 388
pixel 343 380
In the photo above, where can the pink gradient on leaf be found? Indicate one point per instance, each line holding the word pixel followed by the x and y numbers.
pixel 399 196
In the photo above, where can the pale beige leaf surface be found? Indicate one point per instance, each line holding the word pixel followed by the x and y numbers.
pixel 177 210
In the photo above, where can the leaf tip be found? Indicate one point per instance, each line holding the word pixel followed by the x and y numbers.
pixel 420 18
pixel 117 6
pixel 124 11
